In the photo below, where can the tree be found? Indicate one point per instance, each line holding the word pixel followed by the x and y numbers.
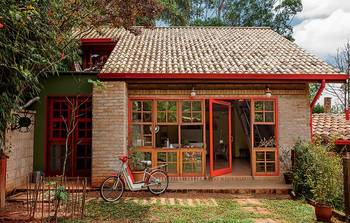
pixel 36 40
pixel 277 14
pixel 341 91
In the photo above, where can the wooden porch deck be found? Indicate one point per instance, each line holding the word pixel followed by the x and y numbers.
pixel 223 184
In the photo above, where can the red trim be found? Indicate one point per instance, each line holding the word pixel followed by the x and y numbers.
pixel 347 115
pixel 232 76
pixel 219 172
pixel 96 40
pixel 342 142
pixel 312 105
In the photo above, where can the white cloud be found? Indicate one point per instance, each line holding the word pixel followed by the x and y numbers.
pixel 323 35
pixel 322 8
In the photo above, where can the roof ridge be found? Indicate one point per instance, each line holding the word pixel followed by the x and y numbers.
pixel 209 27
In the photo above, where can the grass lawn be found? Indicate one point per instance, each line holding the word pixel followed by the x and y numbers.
pixel 227 210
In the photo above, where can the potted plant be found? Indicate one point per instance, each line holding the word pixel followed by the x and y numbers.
pixel 318 177
pixel 135 156
pixel 326 185
pixel 286 164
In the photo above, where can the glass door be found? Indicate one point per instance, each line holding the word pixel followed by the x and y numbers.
pixel 220 137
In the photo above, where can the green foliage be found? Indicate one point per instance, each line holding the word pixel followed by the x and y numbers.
pixel 318 108
pixel 135 157
pixel 272 13
pixel 40 38
pixel 313 88
pixel 318 174
pixel 61 194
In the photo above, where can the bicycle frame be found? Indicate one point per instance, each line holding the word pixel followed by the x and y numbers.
pixel 129 178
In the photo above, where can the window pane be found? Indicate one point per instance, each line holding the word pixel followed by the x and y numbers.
pixel 147 117
pixel 186 106
pixel 260 167
pixel 268 105
pixel 147 105
pixel 172 117
pixel 136 117
pixel 196 106
pixel 260 156
pixel 259 117
pixel 172 106
pixel 192 136
pixel 269 117
pixel 162 105
pixel 186 117
pixel 197 117
pixel 264 136
pixel 172 168
pixel 270 167
pixel 258 106
pixel 136 106
pixel 167 136
pixel 161 117
pixel 136 135
pixel 270 156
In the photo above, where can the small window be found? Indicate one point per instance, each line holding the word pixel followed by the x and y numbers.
pixel 167 112
pixel 264 112
pixel 192 112
pixel 170 159
pixel 265 161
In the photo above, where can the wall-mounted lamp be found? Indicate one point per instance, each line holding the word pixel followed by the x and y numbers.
pixel 268 92
pixel 193 92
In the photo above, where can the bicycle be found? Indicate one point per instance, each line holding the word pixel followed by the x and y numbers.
pixel 154 179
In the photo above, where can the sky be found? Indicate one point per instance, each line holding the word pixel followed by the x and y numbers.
pixel 323 27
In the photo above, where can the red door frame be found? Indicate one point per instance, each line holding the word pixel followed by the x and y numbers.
pixel 224 170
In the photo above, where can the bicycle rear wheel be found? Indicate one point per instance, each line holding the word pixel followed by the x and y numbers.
pixel 112 189
pixel 158 182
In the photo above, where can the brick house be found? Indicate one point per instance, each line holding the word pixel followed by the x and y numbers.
pixel 207 101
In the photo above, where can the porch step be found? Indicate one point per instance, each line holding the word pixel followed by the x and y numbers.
pixel 233 187
pixel 277 179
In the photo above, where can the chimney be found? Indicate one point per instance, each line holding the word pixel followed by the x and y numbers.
pixel 327 104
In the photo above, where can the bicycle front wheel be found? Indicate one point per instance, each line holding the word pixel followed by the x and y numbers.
pixel 158 182
pixel 112 189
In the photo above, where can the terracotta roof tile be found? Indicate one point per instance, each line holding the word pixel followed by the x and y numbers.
pixel 331 124
pixel 224 50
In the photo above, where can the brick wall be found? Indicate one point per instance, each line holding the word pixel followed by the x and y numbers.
pixel 20 162
pixel 110 116
pixel 109 134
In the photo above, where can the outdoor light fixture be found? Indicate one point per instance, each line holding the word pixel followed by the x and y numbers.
pixel 268 92
pixel 193 92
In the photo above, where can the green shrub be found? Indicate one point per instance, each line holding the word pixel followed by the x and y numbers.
pixel 318 174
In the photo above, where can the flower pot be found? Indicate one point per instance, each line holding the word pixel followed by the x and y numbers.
pixel 288 177
pixel 138 175
pixel 323 212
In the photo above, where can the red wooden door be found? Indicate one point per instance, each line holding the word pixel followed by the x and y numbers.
pixel 220 137
pixel 59 114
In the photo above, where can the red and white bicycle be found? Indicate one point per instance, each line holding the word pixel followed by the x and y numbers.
pixel 155 180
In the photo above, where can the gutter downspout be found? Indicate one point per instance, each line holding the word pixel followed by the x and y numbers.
pixel 313 103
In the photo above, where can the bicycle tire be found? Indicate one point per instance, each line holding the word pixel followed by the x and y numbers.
pixel 152 178
pixel 104 187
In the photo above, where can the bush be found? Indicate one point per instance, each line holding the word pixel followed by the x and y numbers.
pixel 318 174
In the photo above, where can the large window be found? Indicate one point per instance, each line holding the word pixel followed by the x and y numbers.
pixel 264 137
pixel 170 128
